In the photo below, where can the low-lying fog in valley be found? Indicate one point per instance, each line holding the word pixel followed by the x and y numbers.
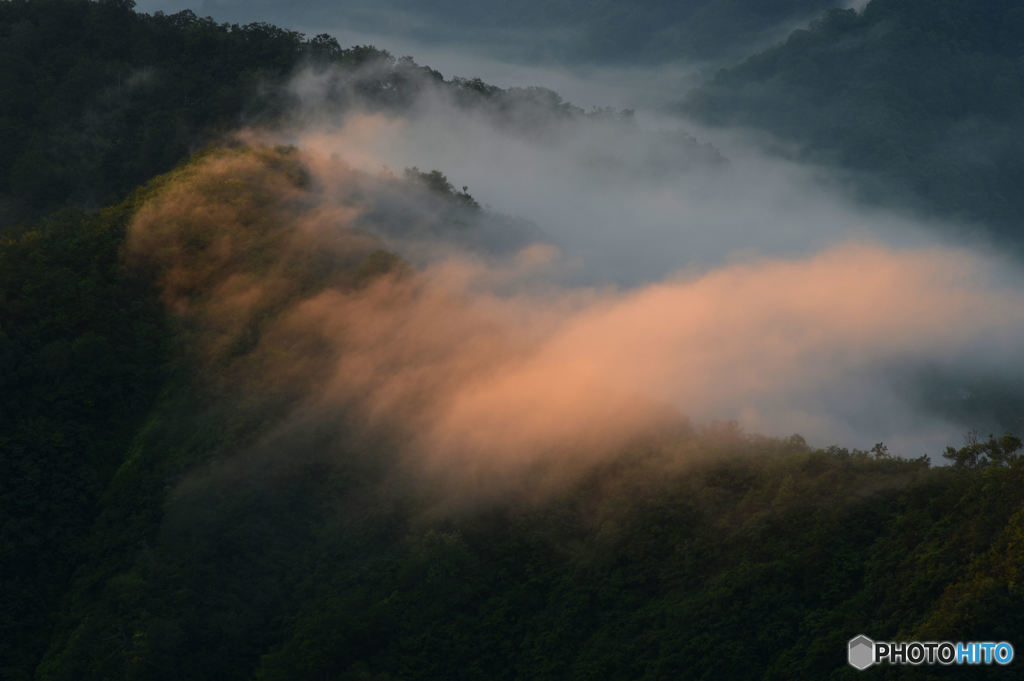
pixel 632 257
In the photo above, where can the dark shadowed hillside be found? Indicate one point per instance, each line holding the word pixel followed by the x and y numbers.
pixel 922 101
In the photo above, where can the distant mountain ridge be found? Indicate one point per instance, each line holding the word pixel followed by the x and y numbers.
pixel 566 31
pixel 923 101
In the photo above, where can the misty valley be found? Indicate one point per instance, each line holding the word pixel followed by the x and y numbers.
pixel 640 341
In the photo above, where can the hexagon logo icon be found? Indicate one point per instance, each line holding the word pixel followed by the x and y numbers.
pixel 861 652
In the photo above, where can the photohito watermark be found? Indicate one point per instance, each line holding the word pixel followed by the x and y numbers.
pixel 862 652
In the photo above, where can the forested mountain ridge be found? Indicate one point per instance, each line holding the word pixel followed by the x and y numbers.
pixel 644 32
pixel 230 544
pixel 174 503
pixel 916 100
pixel 922 101
pixel 96 99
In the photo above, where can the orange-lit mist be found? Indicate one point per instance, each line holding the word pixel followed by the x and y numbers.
pixel 485 369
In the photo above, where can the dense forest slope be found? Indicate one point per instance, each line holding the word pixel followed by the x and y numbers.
pixel 177 501
pixel 97 99
pixel 81 348
pixel 922 99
